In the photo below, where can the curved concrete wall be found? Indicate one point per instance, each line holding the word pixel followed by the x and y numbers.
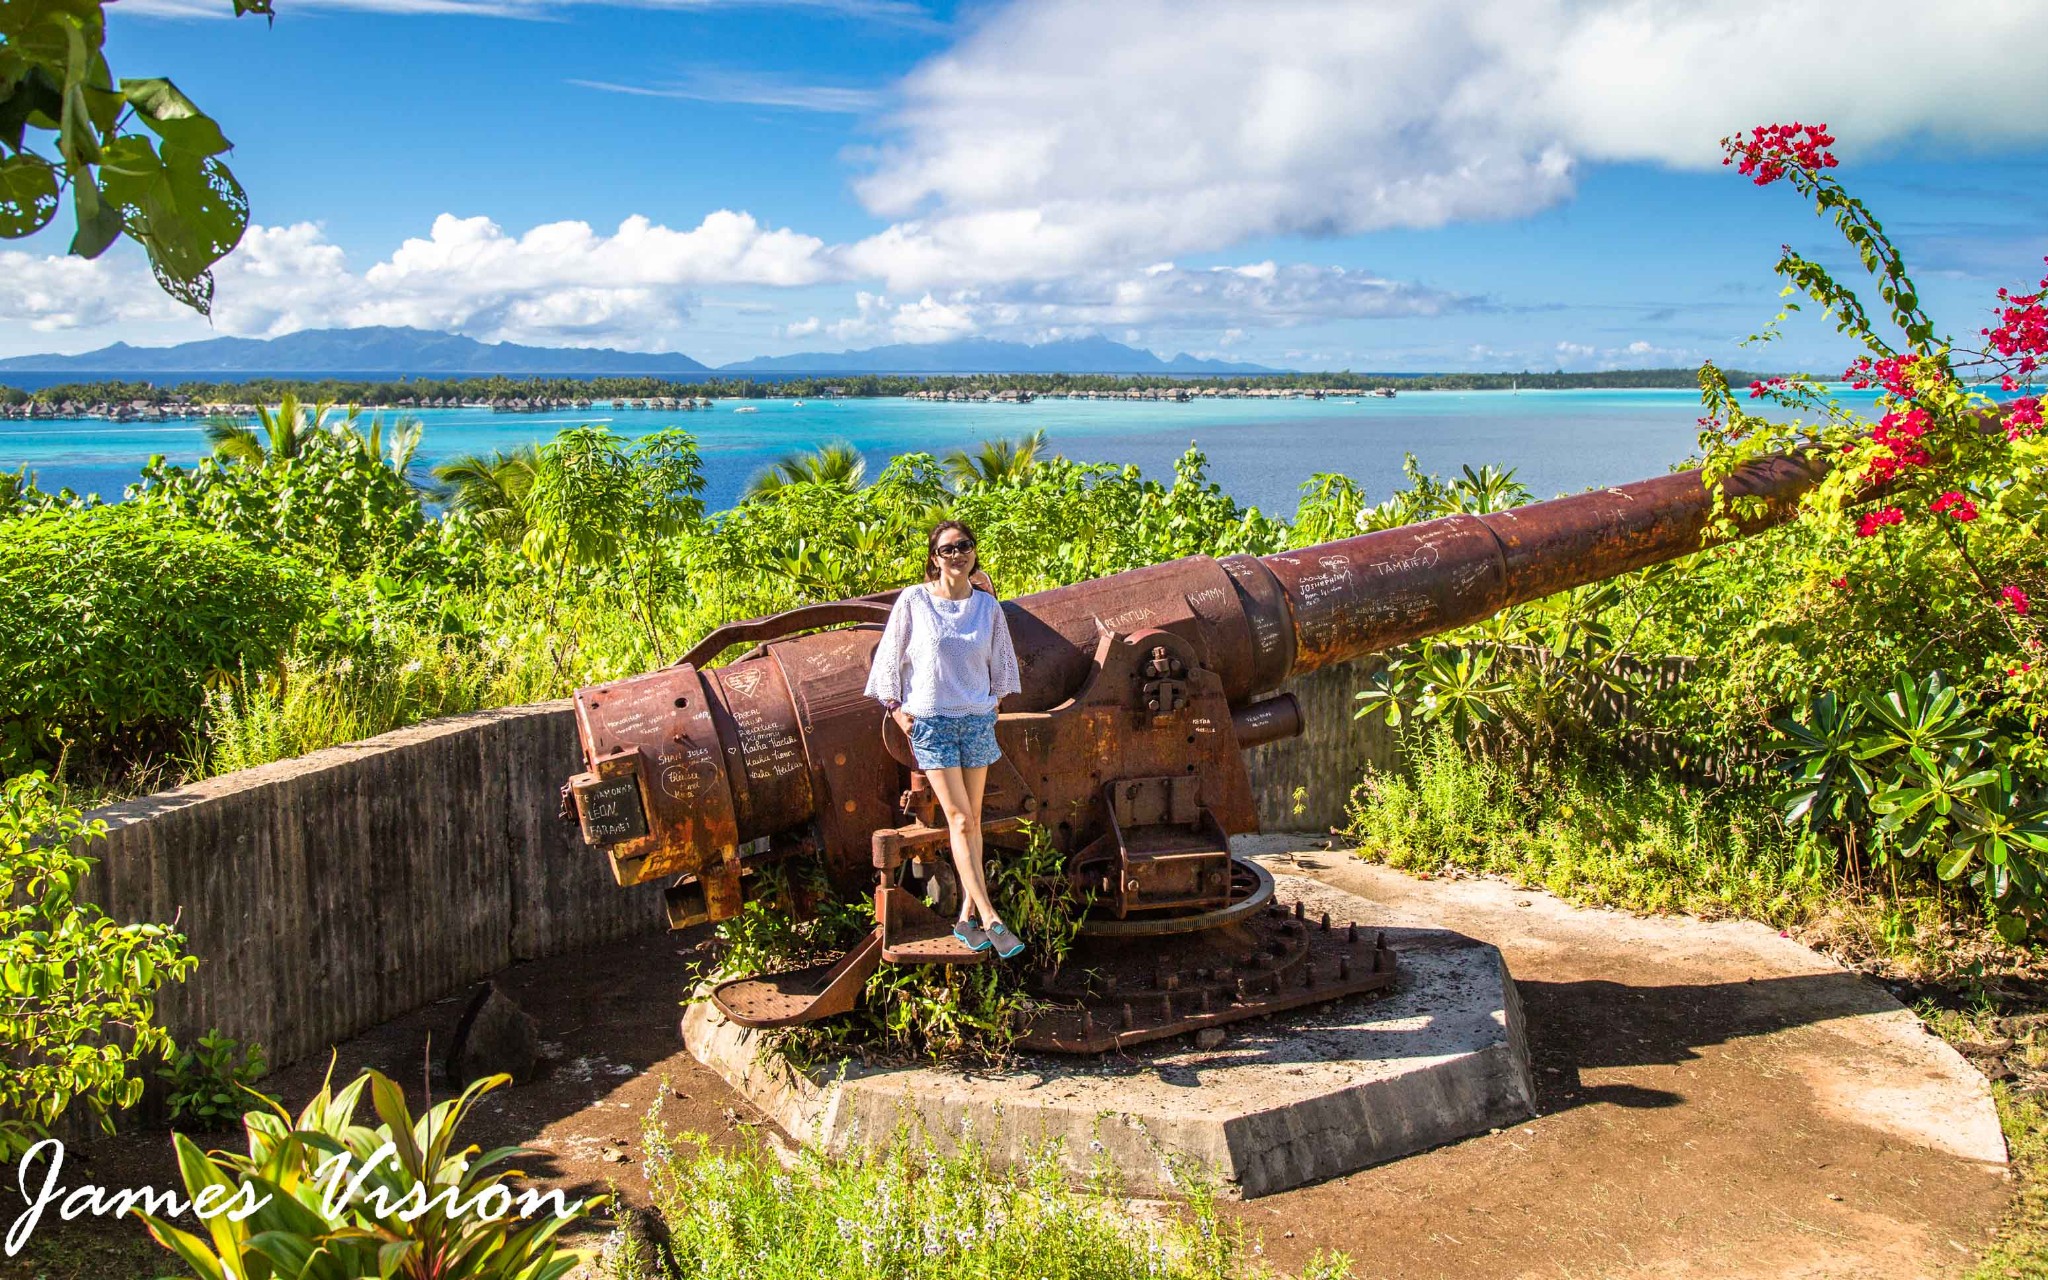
pixel 330 893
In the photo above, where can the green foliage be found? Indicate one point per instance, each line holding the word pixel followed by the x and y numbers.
pixel 334 494
pixel 1941 786
pixel 112 620
pixel 908 1211
pixel 492 491
pixel 77 991
pixel 597 501
pixel 1588 831
pixel 838 465
pixel 996 463
pixel 66 122
pixel 207 1084
pixel 423 1209
pixel 939 1012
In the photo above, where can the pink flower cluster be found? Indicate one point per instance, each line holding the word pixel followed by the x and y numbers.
pixel 1899 432
pixel 2014 597
pixel 2021 334
pixel 1770 149
pixel 1889 373
pixel 1955 506
pixel 1762 385
pixel 2022 417
pixel 1876 520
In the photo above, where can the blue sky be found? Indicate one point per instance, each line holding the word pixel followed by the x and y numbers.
pixel 1490 184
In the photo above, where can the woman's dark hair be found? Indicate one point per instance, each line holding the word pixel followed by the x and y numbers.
pixel 931 546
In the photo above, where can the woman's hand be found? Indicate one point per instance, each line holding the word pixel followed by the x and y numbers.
pixel 903 720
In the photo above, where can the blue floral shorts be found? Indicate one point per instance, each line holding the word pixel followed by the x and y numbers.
pixel 944 742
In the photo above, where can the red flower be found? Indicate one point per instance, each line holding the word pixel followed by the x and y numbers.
pixel 2021 334
pixel 1890 373
pixel 2024 666
pixel 1955 506
pixel 1899 432
pixel 2022 417
pixel 2014 597
pixel 1876 520
pixel 1764 156
pixel 1841 584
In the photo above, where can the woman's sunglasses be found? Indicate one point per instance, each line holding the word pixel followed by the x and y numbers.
pixel 953 549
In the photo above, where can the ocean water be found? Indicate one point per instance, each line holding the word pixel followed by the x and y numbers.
pixel 1259 451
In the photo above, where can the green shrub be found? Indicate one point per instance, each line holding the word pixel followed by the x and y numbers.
pixel 209 1082
pixel 67 973
pixel 112 619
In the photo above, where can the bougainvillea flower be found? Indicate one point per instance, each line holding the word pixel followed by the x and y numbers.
pixel 1955 506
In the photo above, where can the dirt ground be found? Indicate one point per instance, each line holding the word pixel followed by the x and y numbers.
pixel 1712 1102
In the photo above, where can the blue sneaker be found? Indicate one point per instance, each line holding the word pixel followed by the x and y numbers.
pixel 1008 945
pixel 970 933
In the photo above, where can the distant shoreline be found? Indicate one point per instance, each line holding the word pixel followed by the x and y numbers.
pixel 122 399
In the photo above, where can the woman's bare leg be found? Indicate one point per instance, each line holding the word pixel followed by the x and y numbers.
pixel 975 782
pixel 963 825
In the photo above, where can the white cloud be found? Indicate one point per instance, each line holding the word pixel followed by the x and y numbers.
pixel 754 89
pixel 1633 355
pixel 559 282
pixel 928 320
pixel 54 294
pixel 1067 134
pixel 1223 300
pixel 1052 171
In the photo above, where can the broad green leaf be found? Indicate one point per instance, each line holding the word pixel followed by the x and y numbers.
pixel 99 221
pixel 174 117
pixel 27 195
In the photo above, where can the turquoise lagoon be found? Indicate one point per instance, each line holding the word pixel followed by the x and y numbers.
pixel 1260 451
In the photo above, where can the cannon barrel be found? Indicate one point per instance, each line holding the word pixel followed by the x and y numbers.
pixel 1150 674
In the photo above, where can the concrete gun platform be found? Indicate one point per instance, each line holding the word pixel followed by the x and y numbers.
pixel 1281 1102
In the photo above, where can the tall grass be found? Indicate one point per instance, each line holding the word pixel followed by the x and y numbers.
pixel 906 1211
pixel 406 672
pixel 259 717
pixel 1591 833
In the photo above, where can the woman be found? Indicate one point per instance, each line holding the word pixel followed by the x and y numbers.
pixel 944 662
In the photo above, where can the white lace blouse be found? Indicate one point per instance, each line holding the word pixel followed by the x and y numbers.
pixel 942 657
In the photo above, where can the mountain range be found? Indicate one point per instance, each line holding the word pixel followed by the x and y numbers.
pixel 392 351
pixel 381 349
pixel 985 355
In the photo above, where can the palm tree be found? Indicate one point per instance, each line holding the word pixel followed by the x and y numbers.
pixel 838 463
pixel 283 433
pixel 996 462
pixel 493 489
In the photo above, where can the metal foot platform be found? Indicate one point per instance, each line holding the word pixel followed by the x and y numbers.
pixel 800 995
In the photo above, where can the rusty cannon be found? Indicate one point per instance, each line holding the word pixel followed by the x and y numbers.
pixel 1141 691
